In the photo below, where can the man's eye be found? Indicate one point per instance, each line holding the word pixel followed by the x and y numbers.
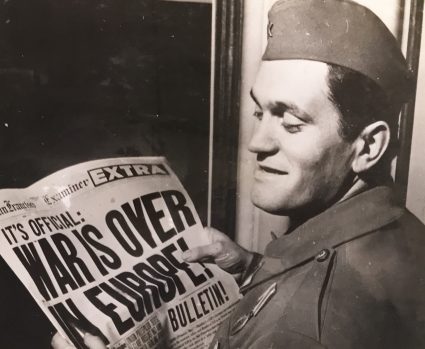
pixel 258 114
pixel 292 128
pixel 291 123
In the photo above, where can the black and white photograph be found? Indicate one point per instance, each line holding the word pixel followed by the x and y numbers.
pixel 223 174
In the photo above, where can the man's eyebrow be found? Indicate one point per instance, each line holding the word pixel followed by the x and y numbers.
pixel 279 108
pixel 251 93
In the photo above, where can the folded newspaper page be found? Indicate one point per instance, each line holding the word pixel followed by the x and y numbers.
pixel 99 245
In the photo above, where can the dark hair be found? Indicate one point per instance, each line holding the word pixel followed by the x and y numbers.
pixel 361 102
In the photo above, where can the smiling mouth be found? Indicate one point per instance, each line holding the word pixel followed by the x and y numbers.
pixel 271 170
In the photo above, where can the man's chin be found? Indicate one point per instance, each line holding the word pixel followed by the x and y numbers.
pixel 269 205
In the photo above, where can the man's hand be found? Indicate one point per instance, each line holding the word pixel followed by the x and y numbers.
pixel 228 255
pixel 92 342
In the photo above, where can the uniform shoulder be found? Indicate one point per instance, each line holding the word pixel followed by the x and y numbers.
pixel 402 240
pixel 391 260
pixel 380 278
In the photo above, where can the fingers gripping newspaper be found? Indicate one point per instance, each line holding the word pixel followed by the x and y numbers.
pixel 99 245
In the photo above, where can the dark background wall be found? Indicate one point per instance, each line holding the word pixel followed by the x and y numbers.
pixel 88 79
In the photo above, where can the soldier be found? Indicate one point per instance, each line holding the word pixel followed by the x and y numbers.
pixel 350 271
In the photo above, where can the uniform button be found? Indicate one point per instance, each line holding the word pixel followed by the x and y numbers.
pixel 322 255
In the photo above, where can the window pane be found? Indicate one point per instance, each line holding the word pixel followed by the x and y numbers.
pixel 81 80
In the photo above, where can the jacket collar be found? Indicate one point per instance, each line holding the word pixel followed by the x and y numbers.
pixel 345 221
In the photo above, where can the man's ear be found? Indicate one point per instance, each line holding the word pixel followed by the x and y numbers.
pixel 370 146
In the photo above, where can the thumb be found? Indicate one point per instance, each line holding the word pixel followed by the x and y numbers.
pixel 93 342
pixel 215 235
pixel 203 253
pixel 58 342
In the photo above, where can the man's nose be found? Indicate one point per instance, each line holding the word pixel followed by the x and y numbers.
pixel 264 139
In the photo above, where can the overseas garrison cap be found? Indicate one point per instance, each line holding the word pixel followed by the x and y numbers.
pixel 339 32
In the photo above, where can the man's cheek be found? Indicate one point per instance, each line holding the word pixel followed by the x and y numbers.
pixel 306 155
pixel 306 166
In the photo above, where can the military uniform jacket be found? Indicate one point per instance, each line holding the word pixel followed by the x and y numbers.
pixel 351 277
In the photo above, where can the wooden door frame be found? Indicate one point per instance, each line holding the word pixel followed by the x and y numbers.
pixel 228 53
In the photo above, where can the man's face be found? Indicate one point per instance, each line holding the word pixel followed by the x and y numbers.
pixel 302 161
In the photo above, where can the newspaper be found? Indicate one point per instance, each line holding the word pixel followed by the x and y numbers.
pixel 99 245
